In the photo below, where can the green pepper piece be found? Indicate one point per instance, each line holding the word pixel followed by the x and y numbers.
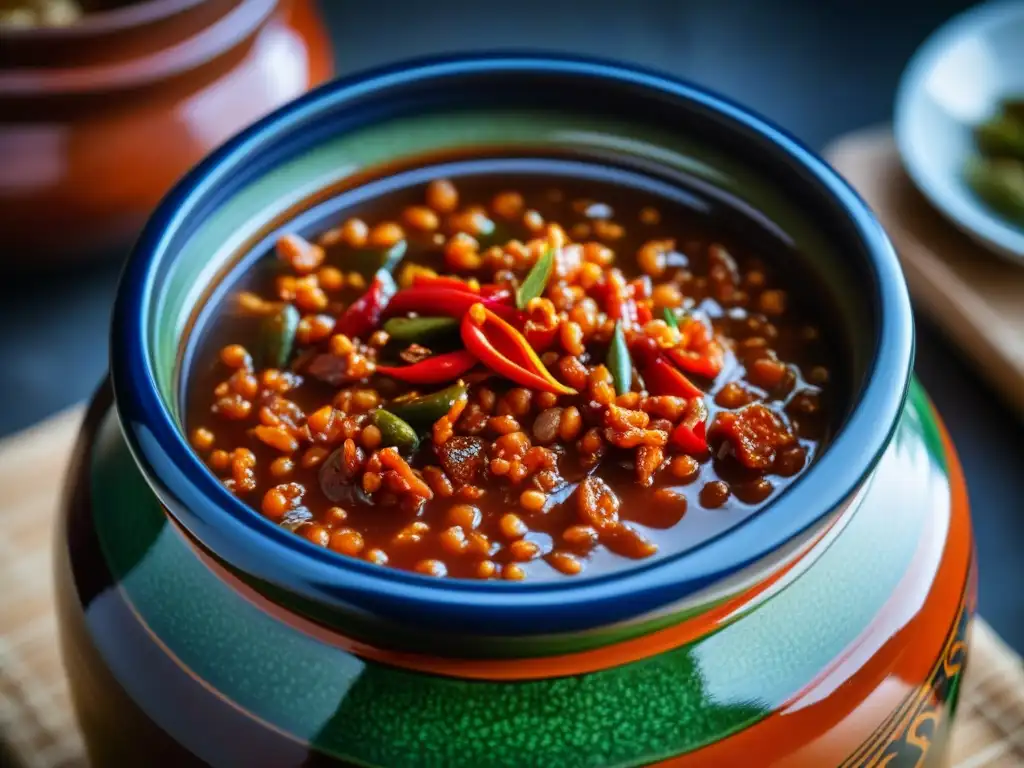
pixel 277 336
pixel 1001 136
pixel 536 279
pixel 368 262
pixel 395 431
pixel 619 362
pixel 419 328
pixel 422 412
pixel 670 317
pixel 1000 183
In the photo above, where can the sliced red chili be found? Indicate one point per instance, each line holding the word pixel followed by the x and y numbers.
pixel 660 376
pixel 448 302
pixel 690 435
pixel 434 370
pixel 364 314
pixel 539 338
pixel 505 351
pixel 443 281
pixel 699 352
pixel 619 305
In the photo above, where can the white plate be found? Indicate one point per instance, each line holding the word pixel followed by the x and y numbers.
pixel 954 81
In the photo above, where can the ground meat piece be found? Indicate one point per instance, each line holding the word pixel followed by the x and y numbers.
pixel 463 458
pixel 339 369
pixel 755 432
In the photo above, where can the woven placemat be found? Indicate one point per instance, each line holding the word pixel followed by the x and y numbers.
pixel 38 729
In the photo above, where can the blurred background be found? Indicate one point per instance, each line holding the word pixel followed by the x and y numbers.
pixel 819 69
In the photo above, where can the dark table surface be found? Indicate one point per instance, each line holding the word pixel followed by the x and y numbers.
pixel 817 68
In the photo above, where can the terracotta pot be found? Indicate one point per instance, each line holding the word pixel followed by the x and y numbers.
pixel 99 119
pixel 829 629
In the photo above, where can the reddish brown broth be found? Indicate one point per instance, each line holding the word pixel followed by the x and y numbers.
pixel 675 513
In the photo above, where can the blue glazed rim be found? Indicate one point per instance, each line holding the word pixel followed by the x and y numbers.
pixel 247 541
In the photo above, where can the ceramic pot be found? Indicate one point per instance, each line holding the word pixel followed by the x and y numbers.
pixel 99 119
pixel 829 629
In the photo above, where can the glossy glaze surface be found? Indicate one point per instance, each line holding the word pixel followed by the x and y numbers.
pixel 296 160
pixel 157 634
pixel 725 270
pixel 91 139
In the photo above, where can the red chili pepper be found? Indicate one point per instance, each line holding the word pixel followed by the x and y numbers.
pixel 690 435
pixel 699 352
pixel 709 364
pixel 434 370
pixel 505 351
pixel 447 302
pixel 643 312
pixel 618 303
pixel 364 314
pixel 490 290
pixel 660 376
pixel 442 281
pixel 539 338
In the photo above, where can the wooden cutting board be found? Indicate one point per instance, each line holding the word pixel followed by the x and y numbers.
pixel 975 297
pixel 37 726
